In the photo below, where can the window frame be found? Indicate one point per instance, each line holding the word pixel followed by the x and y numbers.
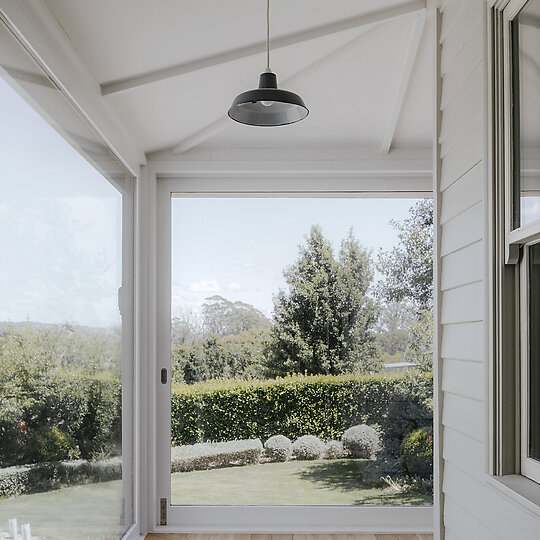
pixel 529 467
pixel 249 519
pixel 515 236
pixel 509 274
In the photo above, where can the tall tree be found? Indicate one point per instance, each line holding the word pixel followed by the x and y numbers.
pixel 223 317
pixel 393 325
pixel 408 275
pixel 323 322
pixel 408 267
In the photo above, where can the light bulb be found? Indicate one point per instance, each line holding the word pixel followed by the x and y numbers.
pixel 266 103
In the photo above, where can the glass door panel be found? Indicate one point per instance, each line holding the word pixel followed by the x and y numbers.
pixel 300 351
pixel 66 357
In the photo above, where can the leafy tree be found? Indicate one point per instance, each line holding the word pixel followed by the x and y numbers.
pixel 223 317
pixel 393 330
pixel 323 323
pixel 186 326
pixel 215 357
pixel 408 268
pixel 53 391
pixel 188 362
pixel 227 341
pixel 244 353
pixel 420 350
pixel 408 276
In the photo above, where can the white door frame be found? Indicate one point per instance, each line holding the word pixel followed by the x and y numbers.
pixel 166 178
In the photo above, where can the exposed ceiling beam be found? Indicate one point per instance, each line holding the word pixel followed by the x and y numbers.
pixel 215 127
pixel 202 135
pixel 354 171
pixel 404 82
pixel 31 77
pixel 127 83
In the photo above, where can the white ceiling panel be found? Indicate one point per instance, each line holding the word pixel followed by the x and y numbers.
pixel 126 37
pixel 348 80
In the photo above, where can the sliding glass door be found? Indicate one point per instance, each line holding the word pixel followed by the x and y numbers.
pixel 295 374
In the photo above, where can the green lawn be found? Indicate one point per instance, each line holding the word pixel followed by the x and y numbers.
pixel 87 512
pixel 92 511
pixel 321 482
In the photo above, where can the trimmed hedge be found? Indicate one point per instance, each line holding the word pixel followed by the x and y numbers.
pixel 203 456
pixel 25 479
pixel 321 405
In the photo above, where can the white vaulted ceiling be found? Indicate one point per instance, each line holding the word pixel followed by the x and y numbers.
pixel 355 81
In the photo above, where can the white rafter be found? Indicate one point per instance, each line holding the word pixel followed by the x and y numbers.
pixel 127 83
pixel 404 81
pixel 215 127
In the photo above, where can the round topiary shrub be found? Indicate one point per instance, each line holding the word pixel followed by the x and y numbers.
pixel 361 441
pixel 416 452
pixel 333 450
pixel 278 448
pixel 308 447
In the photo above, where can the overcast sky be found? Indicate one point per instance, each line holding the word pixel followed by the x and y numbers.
pixel 59 226
pixel 238 248
pixel 60 235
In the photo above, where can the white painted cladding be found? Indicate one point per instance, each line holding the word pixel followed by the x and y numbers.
pixel 473 508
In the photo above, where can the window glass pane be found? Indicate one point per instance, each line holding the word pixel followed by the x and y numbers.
pixel 534 352
pixel 63 468
pixel 304 325
pixel 526 117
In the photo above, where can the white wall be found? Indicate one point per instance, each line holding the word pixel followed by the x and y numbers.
pixel 474 508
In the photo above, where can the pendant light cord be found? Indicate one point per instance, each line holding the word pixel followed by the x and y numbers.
pixel 268 35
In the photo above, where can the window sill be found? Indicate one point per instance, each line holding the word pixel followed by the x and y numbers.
pixel 520 490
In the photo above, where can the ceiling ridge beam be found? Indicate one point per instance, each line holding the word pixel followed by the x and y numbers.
pixel 404 82
pixel 215 127
pixel 342 25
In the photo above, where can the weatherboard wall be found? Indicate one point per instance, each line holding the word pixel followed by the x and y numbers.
pixel 472 507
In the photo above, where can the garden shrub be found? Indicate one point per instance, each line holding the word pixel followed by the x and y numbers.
pixel 322 405
pixel 278 448
pixel 37 478
pixel 361 441
pixel 333 450
pixel 60 393
pixel 208 455
pixel 57 445
pixel 308 447
pixel 417 453
pixel 64 416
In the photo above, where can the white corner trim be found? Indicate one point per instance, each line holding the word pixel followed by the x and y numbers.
pixel 438 461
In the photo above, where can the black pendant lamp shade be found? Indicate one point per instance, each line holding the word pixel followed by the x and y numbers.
pixel 268 105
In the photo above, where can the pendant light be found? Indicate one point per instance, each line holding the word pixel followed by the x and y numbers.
pixel 268 105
